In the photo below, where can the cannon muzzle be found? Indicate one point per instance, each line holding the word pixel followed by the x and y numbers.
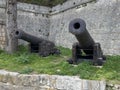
pixel 78 28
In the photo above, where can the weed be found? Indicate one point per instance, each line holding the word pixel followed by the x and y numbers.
pixel 23 58
pixel 1 51
pixel 26 70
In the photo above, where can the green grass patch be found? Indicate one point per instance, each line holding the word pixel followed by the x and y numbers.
pixel 29 63
pixel 49 3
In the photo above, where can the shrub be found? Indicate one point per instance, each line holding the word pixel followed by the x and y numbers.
pixel 49 3
pixel 23 58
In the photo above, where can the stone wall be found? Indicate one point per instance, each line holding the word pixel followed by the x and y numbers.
pixel 102 18
pixel 2 35
pixel 31 18
pixel 16 81
pixel 34 19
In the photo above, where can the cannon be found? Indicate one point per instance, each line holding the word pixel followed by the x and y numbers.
pixel 37 45
pixel 86 49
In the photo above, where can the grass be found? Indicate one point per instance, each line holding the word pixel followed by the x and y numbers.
pixel 27 63
pixel 49 3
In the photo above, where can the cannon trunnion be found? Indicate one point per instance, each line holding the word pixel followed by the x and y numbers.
pixel 85 48
pixel 37 45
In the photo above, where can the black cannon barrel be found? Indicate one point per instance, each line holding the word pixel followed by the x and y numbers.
pixel 38 45
pixel 85 49
pixel 20 34
pixel 78 28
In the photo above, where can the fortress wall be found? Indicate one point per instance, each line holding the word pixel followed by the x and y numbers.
pixel 31 18
pixel 102 18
